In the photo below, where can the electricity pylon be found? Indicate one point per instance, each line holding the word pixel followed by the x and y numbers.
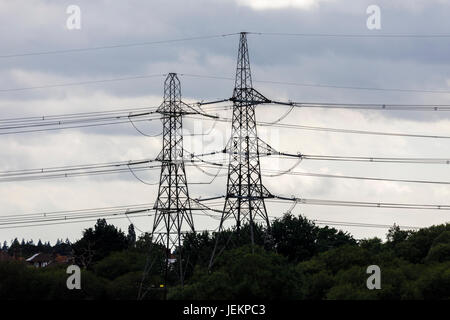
pixel 244 199
pixel 172 206
pixel 173 215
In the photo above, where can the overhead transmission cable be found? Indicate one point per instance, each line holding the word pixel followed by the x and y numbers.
pixel 82 120
pixel 115 46
pixel 391 205
pixel 355 35
pixel 119 212
pixel 318 85
pixel 336 130
pixel 83 170
pixel 276 173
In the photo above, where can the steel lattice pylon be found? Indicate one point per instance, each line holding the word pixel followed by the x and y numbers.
pixel 173 212
pixel 244 200
pixel 173 203
pixel 172 207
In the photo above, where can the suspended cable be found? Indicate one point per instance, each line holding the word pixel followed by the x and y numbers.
pixel 369 106
pixel 82 83
pixel 350 35
pixel 365 204
pixel 139 179
pixel 321 175
pixel 337 130
pixel 318 85
pixel 67 121
pixel 137 44
pixel 71 127
pixel 142 133
pixel 282 117
pixel 278 173
pixel 371 159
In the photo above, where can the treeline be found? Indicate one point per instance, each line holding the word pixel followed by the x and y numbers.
pixel 299 260
pixel 25 249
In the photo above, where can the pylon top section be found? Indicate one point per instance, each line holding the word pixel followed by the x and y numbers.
pixel 172 95
pixel 243 73
pixel 243 93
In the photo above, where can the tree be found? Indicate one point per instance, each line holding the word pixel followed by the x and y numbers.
pixel 98 243
pixel 396 235
pixel 131 237
pixel 440 250
pixel 299 239
pixel 14 249
pixel 417 245
pixel 244 273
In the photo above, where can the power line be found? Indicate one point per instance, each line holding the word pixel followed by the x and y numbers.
pixel 319 222
pixel 342 223
pixel 81 83
pixel 67 222
pixel 136 44
pixel 69 215
pixel 136 111
pixel 298 84
pixel 337 130
pixel 74 167
pixel 321 175
pixel 364 106
pixel 62 122
pixel 73 127
pixel 133 167
pixel 318 85
pixel 121 212
pixel 85 170
pixel 126 110
pixel 269 151
pixel 325 202
pixel 149 43
pixel 278 173
pixel 372 159
pixel 361 225
pixel 78 174
pixel 352 35
pixel 370 106
pixel 365 204
pixel 82 120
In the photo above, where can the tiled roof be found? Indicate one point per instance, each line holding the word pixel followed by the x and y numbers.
pixel 40 257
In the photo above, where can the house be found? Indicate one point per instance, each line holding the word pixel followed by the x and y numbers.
pixel 41 260
pixel 63 259
pixel 171 259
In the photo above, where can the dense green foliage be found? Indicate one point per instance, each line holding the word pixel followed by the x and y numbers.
pixel 298 261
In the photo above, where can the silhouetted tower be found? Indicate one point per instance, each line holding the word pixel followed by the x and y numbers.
pixel 173 216
pixel 244 199
pixel 173 209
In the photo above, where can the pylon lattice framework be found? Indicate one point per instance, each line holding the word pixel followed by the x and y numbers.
pixel 172 206
pixel 173 211
pixel 244 199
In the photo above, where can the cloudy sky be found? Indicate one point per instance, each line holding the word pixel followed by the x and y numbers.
pixel 414 63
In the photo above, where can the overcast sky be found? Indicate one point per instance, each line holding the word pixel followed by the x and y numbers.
pixel 400 63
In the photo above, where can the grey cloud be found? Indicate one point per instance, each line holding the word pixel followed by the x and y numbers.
pixel 32 26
